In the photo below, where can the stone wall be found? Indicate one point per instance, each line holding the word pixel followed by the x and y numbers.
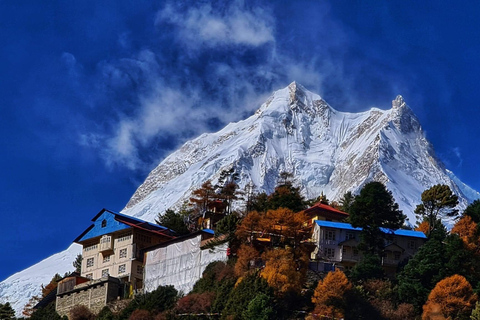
pixel 94 295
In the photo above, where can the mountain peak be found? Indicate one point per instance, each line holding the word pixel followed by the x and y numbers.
pixel 403 117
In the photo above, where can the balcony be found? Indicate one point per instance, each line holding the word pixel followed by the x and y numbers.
pixel 106 244
pixel 329 242
pixel 351 257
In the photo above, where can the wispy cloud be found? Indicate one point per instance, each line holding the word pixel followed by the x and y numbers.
pixel 208 26
pixel 216 63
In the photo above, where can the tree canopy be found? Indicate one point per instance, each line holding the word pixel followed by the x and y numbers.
pixel 374 208
pixel 437 202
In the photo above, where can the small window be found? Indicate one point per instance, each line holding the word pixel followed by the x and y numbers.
pixel 104 223
pixel 105 273
pixel 411 244
pixel 89 276
pixel 329 252
pixel 350 235
pixel 139 269
pixel 122 268
pixel 106 259
pixel 90 262
pixel 396 255
pixel 355 251
pixel 123 253
pixel 330 235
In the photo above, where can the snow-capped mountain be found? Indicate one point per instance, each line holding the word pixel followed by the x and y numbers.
pixel 327 151
pixel 20 287
pixel 296 131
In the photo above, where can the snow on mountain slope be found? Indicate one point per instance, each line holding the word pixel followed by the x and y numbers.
pixel 20 287
pixel 294 130
pixel 327 150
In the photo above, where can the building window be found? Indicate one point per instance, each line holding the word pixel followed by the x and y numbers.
pixel 122 268
pixel 123 253
pixel 411 244
pixel 104 273
pixel 344 250
pixel 329 252
pixel 104 223
pixel 90 262
pixel 139 269
pixel 106 259
pixel 396 255
pixel 355 251
pixel 89 275
pixel 350 235
pixel 330 235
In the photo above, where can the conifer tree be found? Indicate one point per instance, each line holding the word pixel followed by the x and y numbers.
pixel 437 202
pixel 7 312
pixel 473 210
pixel 77 264
pixel 374 208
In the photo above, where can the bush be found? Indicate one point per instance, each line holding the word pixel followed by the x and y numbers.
pixel 140 314
pixel 81 312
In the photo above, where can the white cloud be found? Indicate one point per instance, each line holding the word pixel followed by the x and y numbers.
pixel 211 26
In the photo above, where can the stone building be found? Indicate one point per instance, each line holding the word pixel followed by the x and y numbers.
pixel 112 261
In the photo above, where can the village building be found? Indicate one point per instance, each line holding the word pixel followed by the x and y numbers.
pixel 322 211
pixel 180 262
pixel 112 262
pixel 337 246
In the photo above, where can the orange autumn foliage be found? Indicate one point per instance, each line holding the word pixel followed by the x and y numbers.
pixel 423 227
pixel 452 297
pixel 281 271
pixel 249 225
pixel 466 228
pixel 329 295
pixel 245 255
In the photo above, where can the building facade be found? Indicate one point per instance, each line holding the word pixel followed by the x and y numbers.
pixel 180 262
pixel 337 246
pixel 112 260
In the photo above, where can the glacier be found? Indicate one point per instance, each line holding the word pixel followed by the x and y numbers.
pixel 295 130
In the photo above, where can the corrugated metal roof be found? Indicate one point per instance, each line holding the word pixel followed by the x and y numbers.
pixel 348 226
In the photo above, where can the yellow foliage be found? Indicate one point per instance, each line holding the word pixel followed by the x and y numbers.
pixel 331 289
pixel 423 227
pixel 281 271
pixel 245 255
pixel 452 297
pixel 466 228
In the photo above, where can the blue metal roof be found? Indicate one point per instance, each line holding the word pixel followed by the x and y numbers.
pixel 348 226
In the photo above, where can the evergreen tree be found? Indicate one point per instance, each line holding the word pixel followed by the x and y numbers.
pixel 286 196
pixel 47 313
pixel 7 312
pixel 438 201
pixel 346 202
pixel 77 264
pixel 368 268
pixel 423 271
pixel 473 210
pixel 174 221
pixel 260 308
pixel 374 208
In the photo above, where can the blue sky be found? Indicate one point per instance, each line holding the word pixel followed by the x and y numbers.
pixel 94 94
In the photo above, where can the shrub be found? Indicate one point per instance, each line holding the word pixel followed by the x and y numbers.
pixel 81 312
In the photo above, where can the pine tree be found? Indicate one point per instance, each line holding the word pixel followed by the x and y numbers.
pixel 473 210
pixel 174 221
pixel 7 312
pixel 437 202
pixel 77 264
pixel 375 208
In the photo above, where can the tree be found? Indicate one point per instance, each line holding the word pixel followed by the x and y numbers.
pixel 368 268
pixel 77 264
pixel 281 271
pixel 202 197
pixel 375 208
pixel 243 293
pixel 28 308
pixel 473 210
pixel 422 271
pixel 7 312
pixel 346 202
pixel 260 308
pixel 227 188
pixel 46 313
pixel 245 255
pixel 159 300
pixel 81 312
pixel 174 221
pixel 286 196
pixel 437 202
pixel 248 226
pixel 51 286
pixel 330 295
pixel 453 297
pixel 467 230
pixel 476 312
